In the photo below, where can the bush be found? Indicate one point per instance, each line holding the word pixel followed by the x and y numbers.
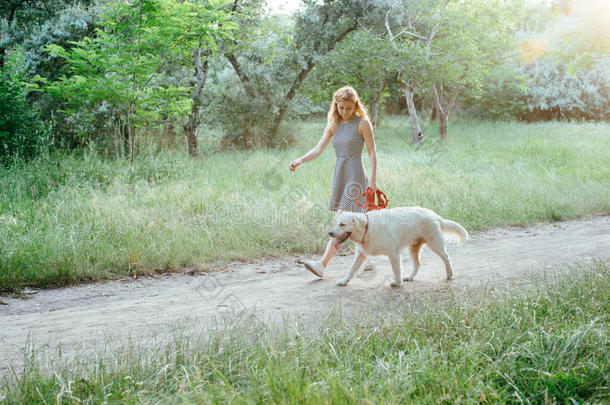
pixel 247 122
pixel 556 92
pixel 504 94
pixel 249 125
pixel 544 90
pixel 22 132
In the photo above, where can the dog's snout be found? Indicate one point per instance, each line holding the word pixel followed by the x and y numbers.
pixel 332 234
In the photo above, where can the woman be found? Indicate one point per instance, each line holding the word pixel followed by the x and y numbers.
pixel 349 129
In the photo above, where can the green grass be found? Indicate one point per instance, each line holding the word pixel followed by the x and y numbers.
pixel 82 217
pixel 530 342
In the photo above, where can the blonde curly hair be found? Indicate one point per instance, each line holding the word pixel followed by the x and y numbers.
pixel 346 93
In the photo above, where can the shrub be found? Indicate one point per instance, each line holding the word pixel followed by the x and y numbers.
pixel 555 91
pixel 22 132
pixel 247 122
pixel 504 94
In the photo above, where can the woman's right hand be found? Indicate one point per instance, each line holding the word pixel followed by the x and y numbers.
pixel 294 164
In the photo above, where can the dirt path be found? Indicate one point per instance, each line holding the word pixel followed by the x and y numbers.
pixel 83 318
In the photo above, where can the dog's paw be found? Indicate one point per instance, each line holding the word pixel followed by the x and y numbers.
pixel 407 278
pixel 341 283
pixel 395 284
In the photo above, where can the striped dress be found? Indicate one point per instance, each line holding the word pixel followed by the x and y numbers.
pixel 350 181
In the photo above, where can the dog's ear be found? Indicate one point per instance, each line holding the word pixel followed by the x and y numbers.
pixel 337 219
pixel 358 224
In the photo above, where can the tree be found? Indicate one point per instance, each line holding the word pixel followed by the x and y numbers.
pixel 318 29
pixel 202 52
pixel 31 24
pixel 202 67
pixel 566 63
pixel 134 43
pixel 22 132
pixel 361 61
pixel 411 27
pixel 287 59
pixel 471 38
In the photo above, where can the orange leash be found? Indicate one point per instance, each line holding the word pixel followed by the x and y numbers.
pixel 370 205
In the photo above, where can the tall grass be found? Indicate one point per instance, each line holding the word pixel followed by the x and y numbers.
pixel 542 342
pixel 72 218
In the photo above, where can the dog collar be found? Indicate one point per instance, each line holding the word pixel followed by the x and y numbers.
pixel 366 227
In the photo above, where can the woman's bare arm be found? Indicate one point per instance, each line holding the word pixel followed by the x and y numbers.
pixel 315 152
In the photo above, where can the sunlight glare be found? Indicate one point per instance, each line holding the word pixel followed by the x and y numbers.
pixel 287 7
pixel 595 18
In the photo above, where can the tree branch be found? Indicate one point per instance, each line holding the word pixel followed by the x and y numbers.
pixel 389 30
pixel 243 77
pixel 437 98
pixel 413 34
pixel 451 105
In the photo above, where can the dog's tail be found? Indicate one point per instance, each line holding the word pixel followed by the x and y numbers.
pixel 453 231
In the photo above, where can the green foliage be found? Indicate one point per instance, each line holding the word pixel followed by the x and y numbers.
pixel 436 47
pixel 22 132
pixel 30 25
pixel 580 38
pixel 566 63
pixel 503 96
pixel 555 92
pixel 272 59
pixel 246 111
pixel 470 38
pixel 111 83
pixel 414 27
pixel 563 60
pixel 361 60
pixel 60 24
pixel 133 71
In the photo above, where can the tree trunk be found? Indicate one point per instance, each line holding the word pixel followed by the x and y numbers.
pixel 126 141
pixel 443 125
pixel 444 112
pixel 190 128
pixel 415 129
pixel 438 107
pixel 169 132
pixel 131 133
pixel 289 96
pixel 376 116
pixel 408 89
pixel 374 108
pixel 132 97
pixel 243 77
pixel 3 55
pixel 441 111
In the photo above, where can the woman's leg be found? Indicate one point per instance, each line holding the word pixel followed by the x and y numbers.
pixel 332 247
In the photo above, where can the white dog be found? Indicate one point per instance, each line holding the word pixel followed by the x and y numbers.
pixel 388 231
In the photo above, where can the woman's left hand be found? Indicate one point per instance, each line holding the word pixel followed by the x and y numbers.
pixel 373 185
